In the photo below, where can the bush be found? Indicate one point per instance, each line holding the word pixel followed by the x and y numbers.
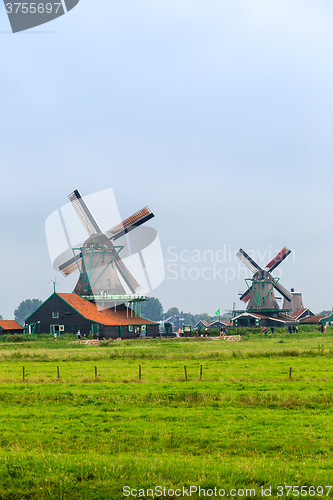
pixel 15 337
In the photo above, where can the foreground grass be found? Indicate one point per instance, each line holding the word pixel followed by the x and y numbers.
pixel 244 425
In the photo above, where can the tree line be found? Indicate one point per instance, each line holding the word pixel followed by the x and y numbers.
pixel 152 309
pixel 26 308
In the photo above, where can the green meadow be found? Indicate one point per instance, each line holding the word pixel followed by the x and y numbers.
pixel 241 425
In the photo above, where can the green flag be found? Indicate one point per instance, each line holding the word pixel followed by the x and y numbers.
pixel 218 312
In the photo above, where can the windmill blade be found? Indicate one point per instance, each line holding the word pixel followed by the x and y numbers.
pixel 244 257
pixel 278 259
pixel 130 223
pixel 71 265
pixel 129 279
pixel 283 291
pixel 246 295
pixel 84 213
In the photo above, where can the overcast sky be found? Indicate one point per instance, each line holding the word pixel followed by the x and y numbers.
pixel 216 114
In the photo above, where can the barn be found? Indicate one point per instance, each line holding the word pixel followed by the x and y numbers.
pixel 254 319
pixel 68 313
pixel 10 326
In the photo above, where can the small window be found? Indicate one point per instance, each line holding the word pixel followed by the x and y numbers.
pixel 55 314
pixel 109 282
pixel 130 328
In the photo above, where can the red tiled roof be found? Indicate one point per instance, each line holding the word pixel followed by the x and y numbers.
pixel 313 319
pixel 10 324
pixel 106 317
pixel 299 312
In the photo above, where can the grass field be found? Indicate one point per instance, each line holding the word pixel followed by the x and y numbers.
pixel 244 426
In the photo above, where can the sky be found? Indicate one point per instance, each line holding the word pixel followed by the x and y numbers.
pixel 217 114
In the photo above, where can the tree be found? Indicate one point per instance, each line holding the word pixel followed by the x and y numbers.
pixel 26 308
pixel 152 309
pixel 189 319
pixel 173 311
pixel 226 316
pixel 1 317
pixel 324 313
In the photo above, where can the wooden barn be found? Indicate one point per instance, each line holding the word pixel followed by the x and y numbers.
pixel 10 326
pixel 314 319
pixel 219 324
pixel 301 314
pixel 68 313
pixel 253 319
pixel 201 325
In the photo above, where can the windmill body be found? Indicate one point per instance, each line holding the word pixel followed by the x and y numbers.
pixel 262 296
pixel 98 273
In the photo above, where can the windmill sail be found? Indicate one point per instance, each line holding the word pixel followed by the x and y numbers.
pixel 84 213
pixel 283 291
pixel 129 224
pixel 129 279
pixel 71 265
pixel 278 259
pixel 245 297
pixel 244 257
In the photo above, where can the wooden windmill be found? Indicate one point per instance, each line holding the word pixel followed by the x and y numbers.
pixel 98 259
pixel 260 288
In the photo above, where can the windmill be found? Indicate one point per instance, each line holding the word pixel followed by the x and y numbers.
pixel 98 258
pixel 260 293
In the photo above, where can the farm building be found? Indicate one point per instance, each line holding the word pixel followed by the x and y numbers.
pixel 253 319
pixel 314 319
pixel 10 326
pixel 327 320
pixel 176 321
pixel 201 325
pixel 301 314
pixel 219 324
pixel 68 313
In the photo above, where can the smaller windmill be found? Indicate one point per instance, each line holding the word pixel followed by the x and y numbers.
pixel 98 259
pixel 260 293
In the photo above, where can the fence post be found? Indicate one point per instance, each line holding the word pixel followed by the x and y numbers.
pixel 201 372
pixel 185 372
pixel 58 372
pixel 290 373
pixel 95 372
pixel 140 372
pixel 23 374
